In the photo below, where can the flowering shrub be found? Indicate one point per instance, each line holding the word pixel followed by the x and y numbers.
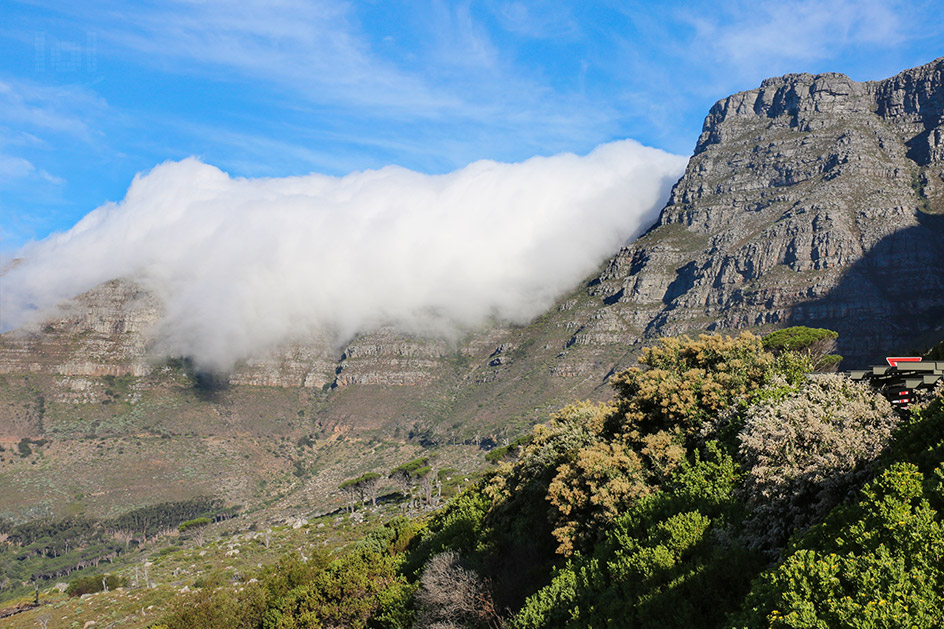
pixel 874 565
pixel 805 451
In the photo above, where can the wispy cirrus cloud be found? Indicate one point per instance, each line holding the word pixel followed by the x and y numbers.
pixel 314 49
pixel 39 123
pixel 756 35
pixel 32 106
pixel 438 61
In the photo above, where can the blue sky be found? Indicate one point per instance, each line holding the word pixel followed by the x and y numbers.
pixel 92 93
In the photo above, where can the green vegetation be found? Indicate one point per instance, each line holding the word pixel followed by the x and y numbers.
pixel 723 486
pixel 814 342
pixel 24 448
pixel 359 589
pixel 94 583
pixel 192 524
pixel 512 449
pixel 42 550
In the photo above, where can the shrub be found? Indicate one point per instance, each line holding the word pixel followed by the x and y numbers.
pixel 666 562
pixel 94 583
pixel 589 492
pixel 361 589
pixel 459 526
pixel 452 595
pixel 876 564
pixel 510 450
pixel 804 452
pixel 688 381
pixel 24 447
pixel 222 608
pixel 817 343
pixel 192 524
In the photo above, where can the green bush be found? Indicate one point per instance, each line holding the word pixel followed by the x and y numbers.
pixel 192 524
pixel 219 608
pixel 94 583
pixel 362 589
pixel 876 564
pixel 668 561
pixel 797 338
pixel 508 451
pixel 24 447
pixel 817 343
pixel 689 381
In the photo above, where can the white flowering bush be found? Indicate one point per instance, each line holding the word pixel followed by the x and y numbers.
pixel 806 450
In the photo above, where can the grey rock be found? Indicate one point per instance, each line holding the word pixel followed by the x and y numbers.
pixel 812 200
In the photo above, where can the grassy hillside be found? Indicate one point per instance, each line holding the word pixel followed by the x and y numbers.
pixel 721 487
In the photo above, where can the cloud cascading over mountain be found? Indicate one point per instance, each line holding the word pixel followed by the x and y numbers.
pixel 244 264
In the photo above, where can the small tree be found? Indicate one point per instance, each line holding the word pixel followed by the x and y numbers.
pixel 368 484
pixel 409 475
pixel 349 488
pixel 425 479
pixel 817 343
pixel 363 487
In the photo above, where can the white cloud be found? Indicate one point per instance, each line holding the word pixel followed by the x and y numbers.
pixel 315 49
pixel 12 167
pixel 244 264
pixel 753 35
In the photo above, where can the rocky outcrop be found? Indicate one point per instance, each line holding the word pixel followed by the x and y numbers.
pixel 310 363
pixel 389 357
pixel 811 200
pixel 106 331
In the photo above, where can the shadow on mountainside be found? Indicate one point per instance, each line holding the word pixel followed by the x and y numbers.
pixel 206 385
pixel 889 302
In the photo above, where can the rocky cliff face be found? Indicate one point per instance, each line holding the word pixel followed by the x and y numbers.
pixel 106 331
pixel 811 200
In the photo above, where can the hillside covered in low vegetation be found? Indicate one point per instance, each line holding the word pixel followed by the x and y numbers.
pixel 725 485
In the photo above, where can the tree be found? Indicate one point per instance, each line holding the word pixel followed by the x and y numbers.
pixel 367 486
pixel 349 488
pixel 425 480
pixel 411 474
pixel 817 343
pixel 363 487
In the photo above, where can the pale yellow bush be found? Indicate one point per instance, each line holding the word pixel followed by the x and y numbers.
pixel 589 492
pixel 806 451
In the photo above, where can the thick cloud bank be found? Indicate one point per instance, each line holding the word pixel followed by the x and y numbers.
pixel 244 264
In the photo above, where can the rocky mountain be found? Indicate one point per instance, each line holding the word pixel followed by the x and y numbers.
pixel 810 200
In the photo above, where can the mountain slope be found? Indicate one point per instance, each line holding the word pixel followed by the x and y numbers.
pixel 810 200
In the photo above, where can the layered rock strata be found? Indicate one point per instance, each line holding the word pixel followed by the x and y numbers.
pixel 813 200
